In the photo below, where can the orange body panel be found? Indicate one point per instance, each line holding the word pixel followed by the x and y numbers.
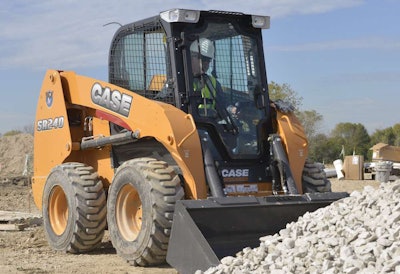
pixel 52 143
pixel 99 159
pixel 295 144
pixel 55 145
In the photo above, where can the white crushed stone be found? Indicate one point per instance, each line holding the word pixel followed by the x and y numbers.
pixel 359 234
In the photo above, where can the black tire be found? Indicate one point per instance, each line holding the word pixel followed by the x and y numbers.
pixel 314 178
pixel 141 203
pixel 74 208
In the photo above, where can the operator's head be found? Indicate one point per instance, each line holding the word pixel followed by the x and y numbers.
pixel 202 49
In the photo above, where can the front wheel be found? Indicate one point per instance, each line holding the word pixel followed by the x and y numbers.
pixel 74 208
pixel 141 203
pixel 314 178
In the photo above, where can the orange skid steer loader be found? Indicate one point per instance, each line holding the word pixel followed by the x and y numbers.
pixel 180 155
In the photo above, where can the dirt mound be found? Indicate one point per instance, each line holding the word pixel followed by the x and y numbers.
pixel 14 151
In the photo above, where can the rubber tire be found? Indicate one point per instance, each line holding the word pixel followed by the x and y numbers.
pixel 314 178
pixel 74 208
pixel 158 187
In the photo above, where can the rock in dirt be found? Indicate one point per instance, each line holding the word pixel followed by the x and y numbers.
pixel 14 220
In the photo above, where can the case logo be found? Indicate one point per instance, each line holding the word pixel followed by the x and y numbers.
pixel 235 173
pixel 113 100
pixel 49 98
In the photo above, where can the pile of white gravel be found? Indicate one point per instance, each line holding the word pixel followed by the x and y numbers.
pixel 358 234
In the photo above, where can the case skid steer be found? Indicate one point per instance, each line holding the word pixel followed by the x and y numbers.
pixel 180 155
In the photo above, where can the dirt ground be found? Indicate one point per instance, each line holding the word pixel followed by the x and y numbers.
pixel 27 251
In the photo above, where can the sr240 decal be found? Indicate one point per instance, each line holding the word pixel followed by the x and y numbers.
pixel 50 123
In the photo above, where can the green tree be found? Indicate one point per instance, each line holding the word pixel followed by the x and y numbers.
pixel 12 133
pixel 353 136
pixel 382 136
pixel 396 131
pixel 285 93
pixel 324 149
pixel 311 120
pixel 390 136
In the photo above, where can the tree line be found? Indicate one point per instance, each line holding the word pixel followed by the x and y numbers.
pixel 345 139
pixel 29 129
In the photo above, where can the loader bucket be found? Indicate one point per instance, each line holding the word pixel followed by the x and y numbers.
pixel 204 231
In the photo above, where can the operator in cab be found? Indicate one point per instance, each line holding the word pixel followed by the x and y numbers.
pixel 204 84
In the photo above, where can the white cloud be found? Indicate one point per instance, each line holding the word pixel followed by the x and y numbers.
pixel 380 43
pixel 70 34
pixel 282 7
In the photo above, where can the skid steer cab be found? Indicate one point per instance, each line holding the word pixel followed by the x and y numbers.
pixel 180 154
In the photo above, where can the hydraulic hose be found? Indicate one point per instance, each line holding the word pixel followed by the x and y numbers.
pixel 212 177
pixel 117 139
pixel 282 162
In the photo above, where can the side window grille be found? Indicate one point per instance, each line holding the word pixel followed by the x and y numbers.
pixel 139 62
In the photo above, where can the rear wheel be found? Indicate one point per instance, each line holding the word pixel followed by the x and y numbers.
pixel 74 208
pixel 141 203
pixel 314 178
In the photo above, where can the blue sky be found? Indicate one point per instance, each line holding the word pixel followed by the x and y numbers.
pixel 341 56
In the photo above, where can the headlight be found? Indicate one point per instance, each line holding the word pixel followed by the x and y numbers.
pixel 180 15
pixel 262 22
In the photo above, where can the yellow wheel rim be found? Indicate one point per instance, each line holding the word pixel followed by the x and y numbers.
pixel 58 210
pixel 128 212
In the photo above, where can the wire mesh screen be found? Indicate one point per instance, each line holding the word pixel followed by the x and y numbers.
pixel 235 67
pixel 139 62
pixel 236 62
pixel 230 63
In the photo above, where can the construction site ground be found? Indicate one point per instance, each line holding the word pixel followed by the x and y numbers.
pixel 23 245
pixel 24 248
